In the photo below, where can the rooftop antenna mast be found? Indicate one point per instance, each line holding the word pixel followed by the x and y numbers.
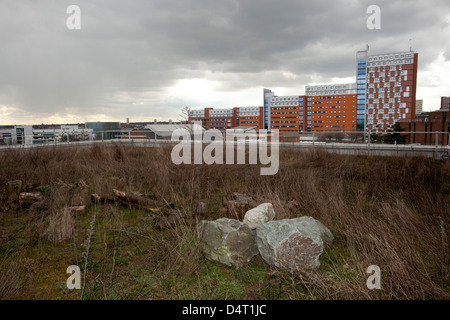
pixel 410 45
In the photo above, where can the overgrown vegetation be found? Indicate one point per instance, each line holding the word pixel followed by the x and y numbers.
pixel 391 212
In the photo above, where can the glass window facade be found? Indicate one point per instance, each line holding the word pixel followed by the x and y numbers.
pixel 105 130
pixel 266 114
pixel 361 90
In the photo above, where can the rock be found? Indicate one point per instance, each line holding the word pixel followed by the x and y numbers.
pixel 293 244
pixel 28 198
pixel 259 215
pixel 227 241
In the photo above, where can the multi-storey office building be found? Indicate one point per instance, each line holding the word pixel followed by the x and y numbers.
pixel 323 108
pixel 227 118
pixel 249 117
pixel 384 93
pixel 390 89
pixel 285 113
pixel 331 107
pixel 222 119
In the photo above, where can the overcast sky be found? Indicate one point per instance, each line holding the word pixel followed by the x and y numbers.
pixel 146 60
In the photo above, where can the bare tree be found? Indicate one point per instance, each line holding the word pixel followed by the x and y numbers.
pixel 184 119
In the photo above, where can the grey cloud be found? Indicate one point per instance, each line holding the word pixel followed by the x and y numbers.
pixel 141 48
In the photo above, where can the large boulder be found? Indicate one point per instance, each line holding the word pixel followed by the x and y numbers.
pixel 293 244
pixel 227 241
pixel 259 215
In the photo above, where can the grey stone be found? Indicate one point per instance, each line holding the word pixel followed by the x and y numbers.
pixel 227 241
pixel 293 244
pixel 259 215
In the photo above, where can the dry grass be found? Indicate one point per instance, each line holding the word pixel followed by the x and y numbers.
pixel 61 226
pixel 390 212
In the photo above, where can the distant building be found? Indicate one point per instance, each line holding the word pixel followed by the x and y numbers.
pixel 16 135
pixel 164 131
pixel 430 130
pixel 384 92
pixel 423 116
pixel 105 130
pixel 26 135
pixel 138 134
pixel 62 133
pixel 226 118
pixel 391 81
pixel 419 107
pixel 445 103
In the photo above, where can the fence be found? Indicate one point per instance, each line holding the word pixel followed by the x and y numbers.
pixel 394 137
pixel 355 143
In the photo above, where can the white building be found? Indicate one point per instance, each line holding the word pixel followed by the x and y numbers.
pixel 26 135
pixel 66 133
pixel 14 135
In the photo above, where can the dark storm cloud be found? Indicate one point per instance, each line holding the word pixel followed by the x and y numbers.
pixel 128 53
